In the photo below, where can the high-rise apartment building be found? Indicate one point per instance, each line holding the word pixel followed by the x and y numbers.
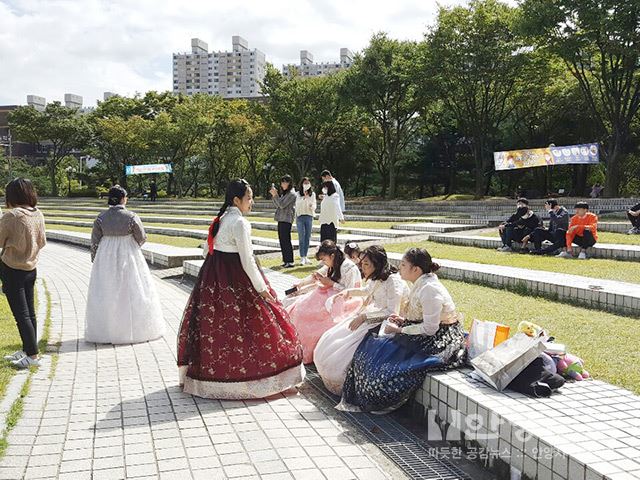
pixel 234 74
pixel 309 69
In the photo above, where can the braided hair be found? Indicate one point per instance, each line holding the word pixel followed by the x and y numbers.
pixel 235 188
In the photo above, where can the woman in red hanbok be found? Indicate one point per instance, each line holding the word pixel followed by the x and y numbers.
pixel 235 339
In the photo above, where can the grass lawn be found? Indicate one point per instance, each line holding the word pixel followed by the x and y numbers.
pixel 603 237
pixel 595 267
pixel 153 238
pixel 9 343
pixel 601 339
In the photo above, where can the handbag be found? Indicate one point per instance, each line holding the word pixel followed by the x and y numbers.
pixel 484 336
pixel 500 365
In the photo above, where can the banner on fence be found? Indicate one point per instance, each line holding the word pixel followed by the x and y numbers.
pixel 548 156
pixel 153 168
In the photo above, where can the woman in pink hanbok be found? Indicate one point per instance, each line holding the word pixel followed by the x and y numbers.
pixel 313 310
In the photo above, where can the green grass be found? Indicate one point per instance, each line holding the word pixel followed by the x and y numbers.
pixel 595 267
pixel 153 238
pixel 9 343
pixel 603 237
pixel 15 412
pixel 601 339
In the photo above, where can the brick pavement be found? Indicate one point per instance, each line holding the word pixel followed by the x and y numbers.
pixel 117 412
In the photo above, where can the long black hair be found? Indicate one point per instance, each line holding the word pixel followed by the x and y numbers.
pixel 420 258
pixel 329 247
pixel 289 180
pixel 301 190
pixel 378 256
pixel 235 188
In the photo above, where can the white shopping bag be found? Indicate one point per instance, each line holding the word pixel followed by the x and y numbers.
pixel 500 365
pixel 484 336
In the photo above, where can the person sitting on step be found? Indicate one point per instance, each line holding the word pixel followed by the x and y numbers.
pixel 633 214
pixel 583 231
pixel 518 226
pixel 556 233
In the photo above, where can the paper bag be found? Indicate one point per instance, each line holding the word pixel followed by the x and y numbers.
pixel 484 336
pixel 503 363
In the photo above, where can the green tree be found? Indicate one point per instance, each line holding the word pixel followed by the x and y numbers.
pixel 383 83
pixel 304 115
pixel 599 41
pixel 58 131
pixel 476 60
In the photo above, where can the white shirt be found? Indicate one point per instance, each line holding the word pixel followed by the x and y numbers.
pixel 350 276
pixel 386 296
pixel 430 302
pixel 234 236
pixel 330 211
pixel 306 205
pixel 339 192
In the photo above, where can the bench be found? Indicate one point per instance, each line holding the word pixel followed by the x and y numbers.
pixel 155 253
pixel 589 430
pixel 609 251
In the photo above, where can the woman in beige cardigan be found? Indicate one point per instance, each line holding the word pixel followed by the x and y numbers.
pixel 22 236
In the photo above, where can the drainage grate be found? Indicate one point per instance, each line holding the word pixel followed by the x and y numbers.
pixel 405 449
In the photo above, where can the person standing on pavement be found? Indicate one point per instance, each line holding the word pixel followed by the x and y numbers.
pixel 285 202
pixel 22 236
pixel 306 205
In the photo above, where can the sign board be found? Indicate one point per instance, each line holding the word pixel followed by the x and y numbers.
pixel 548 156
pixel 153 168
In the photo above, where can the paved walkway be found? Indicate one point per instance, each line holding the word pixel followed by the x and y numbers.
pixel 117 412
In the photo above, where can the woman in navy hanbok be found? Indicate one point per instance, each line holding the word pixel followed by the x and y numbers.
pixel 389 367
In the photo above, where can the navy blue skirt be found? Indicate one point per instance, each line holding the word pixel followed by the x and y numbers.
pixel 386 371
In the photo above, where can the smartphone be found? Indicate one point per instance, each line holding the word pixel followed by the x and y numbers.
pixel 291 290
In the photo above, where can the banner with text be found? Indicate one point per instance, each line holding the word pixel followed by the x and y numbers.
pixel 153 168
pixel 548 156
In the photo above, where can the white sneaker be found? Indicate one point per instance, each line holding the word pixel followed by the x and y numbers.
pixel 26 362
pixel 304 261
pixel 504 249
pixel 564 255
pixel 15 356
pixel 582 256
pixel 633 231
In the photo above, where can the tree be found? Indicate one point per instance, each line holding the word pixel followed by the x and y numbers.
pixel 58 131
pixel 599 41
pixel 304 115
pixel 383 83
pixel 476 60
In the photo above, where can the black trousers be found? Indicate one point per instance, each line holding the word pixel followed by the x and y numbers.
pixel 328 232
pixel 512 234
pixel 284 235
pixel 585 240
pixel 18 286
pixel 635 221
pixel 557 239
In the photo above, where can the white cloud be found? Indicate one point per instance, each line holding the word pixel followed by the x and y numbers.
pixel 53 47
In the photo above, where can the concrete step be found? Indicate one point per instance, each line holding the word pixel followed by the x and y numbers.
pixel 600 250
pixel 608 295
pixel 436 227
pixel 155 253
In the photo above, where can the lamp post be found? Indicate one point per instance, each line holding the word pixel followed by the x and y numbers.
pixel 70 171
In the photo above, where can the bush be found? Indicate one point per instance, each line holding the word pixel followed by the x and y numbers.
pixel 84 192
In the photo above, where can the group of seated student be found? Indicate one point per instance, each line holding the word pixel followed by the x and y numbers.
pixel 372 330
pixel 562 232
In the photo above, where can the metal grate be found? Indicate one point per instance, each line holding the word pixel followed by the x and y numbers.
pixel 406 450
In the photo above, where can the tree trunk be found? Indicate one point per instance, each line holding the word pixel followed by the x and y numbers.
pixel 392 181
pixel 614 158
pixel 479 170
pixel 52 177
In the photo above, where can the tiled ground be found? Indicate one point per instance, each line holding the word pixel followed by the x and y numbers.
pixel 117 412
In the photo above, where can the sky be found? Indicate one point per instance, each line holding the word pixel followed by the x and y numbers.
pixel 87 47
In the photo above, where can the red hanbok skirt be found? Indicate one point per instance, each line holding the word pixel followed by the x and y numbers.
pixel 232 343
